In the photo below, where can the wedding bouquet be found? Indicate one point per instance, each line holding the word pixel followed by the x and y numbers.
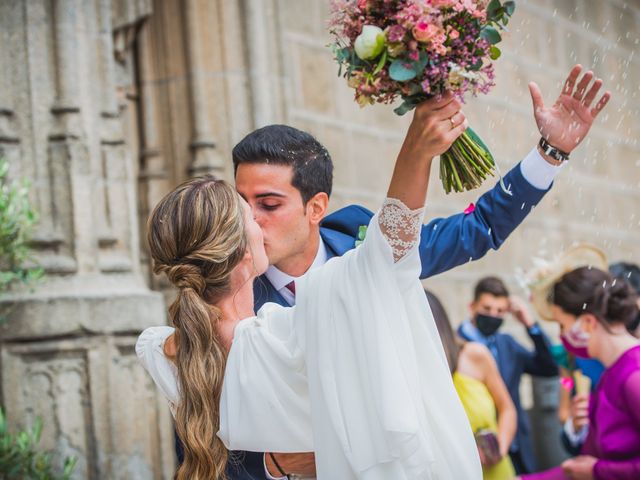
pixel 418 49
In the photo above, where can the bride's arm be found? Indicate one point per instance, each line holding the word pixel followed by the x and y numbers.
pixel 435 126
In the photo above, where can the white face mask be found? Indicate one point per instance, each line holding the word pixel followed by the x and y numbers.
pixel 576 336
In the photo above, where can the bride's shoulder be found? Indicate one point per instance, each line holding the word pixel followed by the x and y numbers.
pixel 153 338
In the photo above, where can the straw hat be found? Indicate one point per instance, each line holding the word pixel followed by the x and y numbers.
pixel 544 276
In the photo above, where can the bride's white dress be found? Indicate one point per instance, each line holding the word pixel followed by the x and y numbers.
pixel 355 371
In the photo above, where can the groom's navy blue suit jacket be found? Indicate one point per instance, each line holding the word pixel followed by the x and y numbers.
pixel 444 244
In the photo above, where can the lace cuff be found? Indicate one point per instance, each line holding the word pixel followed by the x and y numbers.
pixel 400 226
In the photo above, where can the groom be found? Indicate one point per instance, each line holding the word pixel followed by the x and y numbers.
pixel 286 177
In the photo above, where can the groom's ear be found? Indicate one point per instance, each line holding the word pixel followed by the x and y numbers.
pixel 317 207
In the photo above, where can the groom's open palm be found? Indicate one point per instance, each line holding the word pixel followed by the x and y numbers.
pixel 565 124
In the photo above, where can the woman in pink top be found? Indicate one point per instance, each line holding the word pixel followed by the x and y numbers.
pixel 593 310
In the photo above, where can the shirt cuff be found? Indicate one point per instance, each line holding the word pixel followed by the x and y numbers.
pixel 266 470
pixel 576 439
pixel 537 171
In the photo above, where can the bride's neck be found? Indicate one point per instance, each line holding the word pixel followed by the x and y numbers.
pixel 238 304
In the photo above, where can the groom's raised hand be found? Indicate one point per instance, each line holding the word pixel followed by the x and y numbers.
pixel 565 124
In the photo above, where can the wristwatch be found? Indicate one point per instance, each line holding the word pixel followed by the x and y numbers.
pixel 552 151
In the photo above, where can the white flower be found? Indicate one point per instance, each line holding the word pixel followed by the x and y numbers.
pixel 370 43
pixel 457 75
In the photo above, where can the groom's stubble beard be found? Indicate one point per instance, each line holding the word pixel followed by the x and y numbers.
pixel 296 255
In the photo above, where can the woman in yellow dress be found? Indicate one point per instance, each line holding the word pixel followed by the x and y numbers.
pixel 484 396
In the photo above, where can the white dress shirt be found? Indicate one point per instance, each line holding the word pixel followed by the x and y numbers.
pixel 537 171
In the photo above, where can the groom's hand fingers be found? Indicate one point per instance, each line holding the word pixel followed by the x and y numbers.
pixel 582 85
pixel 601 104
pixel 571 79
pixel 536 97
pixel 591 94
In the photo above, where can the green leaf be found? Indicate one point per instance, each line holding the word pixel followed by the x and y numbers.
pixel 36 431
pixel 509 7
pixel 404 107
pixel 415 89
pixel 69 465
pixel 494 52
pixel 3 423
pixel 490 34
pixel 478 141
pixel 381 63
pixel 401 71
pixel 421 63
pixel 476 66
pixel 493 9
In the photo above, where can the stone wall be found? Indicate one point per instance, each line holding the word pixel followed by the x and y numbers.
pixel 67 349
pixel 108 104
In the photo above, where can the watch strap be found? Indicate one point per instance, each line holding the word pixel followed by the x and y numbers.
pixel 552 151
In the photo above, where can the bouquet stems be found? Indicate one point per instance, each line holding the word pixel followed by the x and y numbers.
pixel 466 164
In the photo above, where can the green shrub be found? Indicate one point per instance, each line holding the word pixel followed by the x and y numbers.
pixel 17 219
pixel 19 457
pixel 20 460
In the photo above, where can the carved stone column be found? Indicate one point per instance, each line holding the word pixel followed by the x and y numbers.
pixel 206 157
pixel 67 350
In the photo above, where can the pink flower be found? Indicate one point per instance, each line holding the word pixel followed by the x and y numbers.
pixel 424 32
pixel 566 383
pixel 442 3
pixel 453 34
pixel 470 209
pixel 396 33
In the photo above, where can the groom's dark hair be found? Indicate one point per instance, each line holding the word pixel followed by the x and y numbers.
pixel 284 145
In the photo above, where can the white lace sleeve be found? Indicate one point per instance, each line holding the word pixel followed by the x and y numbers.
pixel 400 226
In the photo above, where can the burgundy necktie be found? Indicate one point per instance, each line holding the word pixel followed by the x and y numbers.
pixel 291 286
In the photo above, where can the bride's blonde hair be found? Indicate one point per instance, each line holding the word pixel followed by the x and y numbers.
pixel 196 236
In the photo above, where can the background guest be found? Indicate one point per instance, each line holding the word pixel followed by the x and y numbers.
pixel 594 310
pixel 491 302
pixel 483 394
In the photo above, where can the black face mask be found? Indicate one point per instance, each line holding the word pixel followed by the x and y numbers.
pixel 487 324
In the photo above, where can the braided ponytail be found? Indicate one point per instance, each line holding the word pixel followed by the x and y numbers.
pixel 196 237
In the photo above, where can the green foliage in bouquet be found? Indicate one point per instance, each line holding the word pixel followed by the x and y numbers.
pixel 20 458
pixel 17 219
pixel 466 164
pixel 416 50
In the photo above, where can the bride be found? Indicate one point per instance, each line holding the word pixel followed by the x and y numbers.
pixel 354 372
